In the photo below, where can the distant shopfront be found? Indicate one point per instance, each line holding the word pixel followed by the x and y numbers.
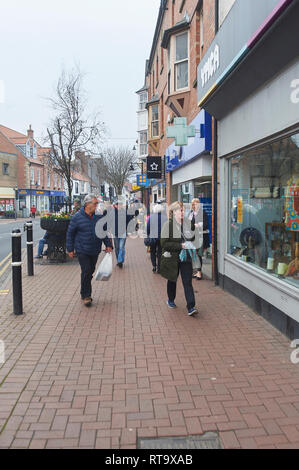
pixel 7 200
pixel 44 201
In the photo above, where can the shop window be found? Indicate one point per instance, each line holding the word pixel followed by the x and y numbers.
pixel 264 214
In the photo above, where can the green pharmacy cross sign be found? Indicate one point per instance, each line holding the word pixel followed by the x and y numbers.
pixel 180 131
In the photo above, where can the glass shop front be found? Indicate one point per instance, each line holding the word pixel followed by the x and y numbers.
pixel 264 208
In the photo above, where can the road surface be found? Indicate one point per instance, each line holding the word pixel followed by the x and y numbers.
pixel 5 244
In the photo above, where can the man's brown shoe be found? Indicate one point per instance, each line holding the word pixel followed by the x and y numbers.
pixel 87 301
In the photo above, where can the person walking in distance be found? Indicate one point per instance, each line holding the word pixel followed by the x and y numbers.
pixel 176 257
pixel 118 221
pixel 33 211
pixel 200 222
pixel 154 227
pixel 82 239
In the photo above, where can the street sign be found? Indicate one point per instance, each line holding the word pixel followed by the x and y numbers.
pixel 154 167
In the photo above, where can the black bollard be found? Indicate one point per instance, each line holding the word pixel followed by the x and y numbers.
pixel 16 272
pixel 29 227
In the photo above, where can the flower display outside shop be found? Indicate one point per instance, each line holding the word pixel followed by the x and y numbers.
pixel 55 222
pixel 57 216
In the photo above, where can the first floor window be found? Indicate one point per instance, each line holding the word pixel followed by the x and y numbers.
pixel 5 169
pixel 143 143
pixel 76 187
pixel 264 208
pixel 32 175
pixel 155 120
pixel 181 65
pixel 142 101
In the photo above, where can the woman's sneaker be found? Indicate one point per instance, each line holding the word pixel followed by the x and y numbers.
pixel 87 301
pixel 192 311
pixel 171 304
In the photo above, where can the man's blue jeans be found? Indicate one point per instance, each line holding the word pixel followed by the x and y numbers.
pixel 41 245
pixel 119 246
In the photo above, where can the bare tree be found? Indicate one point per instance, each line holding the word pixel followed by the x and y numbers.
pixel 115 165
pixel 71 129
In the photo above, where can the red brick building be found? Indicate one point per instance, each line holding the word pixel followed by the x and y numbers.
pixel 37 184
pixel 184 31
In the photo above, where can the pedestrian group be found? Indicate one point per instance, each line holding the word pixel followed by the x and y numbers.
pixel 175 241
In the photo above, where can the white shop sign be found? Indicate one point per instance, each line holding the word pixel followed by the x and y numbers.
pixel 211 66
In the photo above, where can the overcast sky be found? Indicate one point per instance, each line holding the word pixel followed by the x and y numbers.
pixel 109 39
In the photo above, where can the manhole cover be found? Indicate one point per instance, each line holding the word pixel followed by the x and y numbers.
pixel 209 440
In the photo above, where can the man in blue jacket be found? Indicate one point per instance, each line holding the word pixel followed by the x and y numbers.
pixel 82 239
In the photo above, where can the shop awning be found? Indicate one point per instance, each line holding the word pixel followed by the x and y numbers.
pixel 7 193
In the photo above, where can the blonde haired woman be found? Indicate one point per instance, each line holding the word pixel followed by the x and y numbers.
pixel 173 242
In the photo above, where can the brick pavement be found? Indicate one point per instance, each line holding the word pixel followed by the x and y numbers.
pixel 129 367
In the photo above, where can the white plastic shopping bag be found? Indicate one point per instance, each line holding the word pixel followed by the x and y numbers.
pixel 105 269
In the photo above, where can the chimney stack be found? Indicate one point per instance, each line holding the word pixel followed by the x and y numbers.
pixel 30 132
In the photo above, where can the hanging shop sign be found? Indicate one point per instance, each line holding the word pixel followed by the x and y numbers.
pixel 142 180
pixel 154 168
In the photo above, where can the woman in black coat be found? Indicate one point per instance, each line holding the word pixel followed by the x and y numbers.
pixel 200 222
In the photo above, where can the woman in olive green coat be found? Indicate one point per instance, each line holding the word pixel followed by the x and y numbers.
pixel 173 242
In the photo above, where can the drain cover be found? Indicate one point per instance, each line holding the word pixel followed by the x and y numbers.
pixel 209 440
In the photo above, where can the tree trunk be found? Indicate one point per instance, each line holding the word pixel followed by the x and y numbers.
pixel 70 197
